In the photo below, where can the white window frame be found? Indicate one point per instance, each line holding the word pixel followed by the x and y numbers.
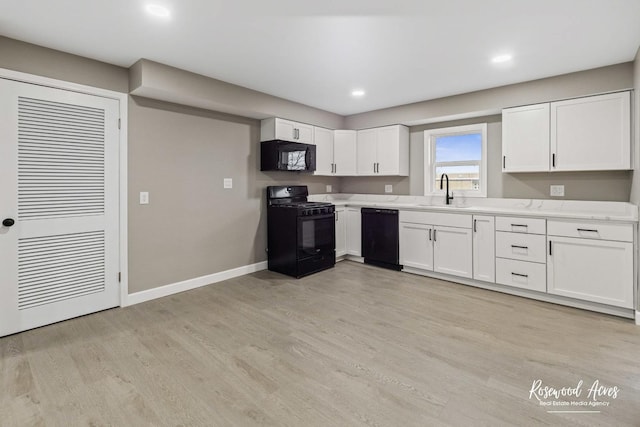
pixel 430 135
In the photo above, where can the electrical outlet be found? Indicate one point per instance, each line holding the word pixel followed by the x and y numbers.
pixel 556 191
pixel 228 183
pixel 329 189
pixel 388 188
pixel 144 197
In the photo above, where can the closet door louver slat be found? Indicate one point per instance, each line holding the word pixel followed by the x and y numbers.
pixel 60 159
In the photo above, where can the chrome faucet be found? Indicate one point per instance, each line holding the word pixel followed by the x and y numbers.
pixel 448 198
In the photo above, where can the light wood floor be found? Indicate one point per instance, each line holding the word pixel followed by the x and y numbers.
pixel 355 345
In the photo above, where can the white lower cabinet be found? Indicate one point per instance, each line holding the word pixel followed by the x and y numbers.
pixel 484 262
pixel 521 274
pixel 416 245
pixel 593 270
pixel 452 253
pixel 427 245
pixel 341 232
pixel 354 232
pixel 520 253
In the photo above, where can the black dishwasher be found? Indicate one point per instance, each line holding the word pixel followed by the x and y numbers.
pixel 380 243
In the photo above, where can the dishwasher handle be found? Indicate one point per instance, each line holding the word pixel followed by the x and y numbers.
pixel 379 211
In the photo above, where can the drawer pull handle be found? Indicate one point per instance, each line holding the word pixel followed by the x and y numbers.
pixel 519 275
pixel 519 225
pixel 589 230
pixel 520 247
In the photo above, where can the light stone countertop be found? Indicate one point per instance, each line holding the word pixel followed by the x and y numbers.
pixel 560 209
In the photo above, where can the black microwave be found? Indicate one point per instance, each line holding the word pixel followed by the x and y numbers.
pixel 278 155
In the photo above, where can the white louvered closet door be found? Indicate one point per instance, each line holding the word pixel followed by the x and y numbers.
pixel 59 183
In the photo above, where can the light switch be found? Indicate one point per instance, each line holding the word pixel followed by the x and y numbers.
pixel 388 188
pixel 228 183
pixel 144 197
pixel 329 189
pixel 557 191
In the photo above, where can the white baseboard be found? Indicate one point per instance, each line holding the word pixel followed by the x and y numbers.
pixel 186 285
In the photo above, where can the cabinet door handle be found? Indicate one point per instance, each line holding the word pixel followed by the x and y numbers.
pixel 519 247
pixel 434 235
pixel 519 275
pixel 520 225
pixel 335 168
pixel 430 234
pixel 553 160
pixel 337 216
pixel 588 230
pixel 504 162
pixel 550 252
pixel 475 228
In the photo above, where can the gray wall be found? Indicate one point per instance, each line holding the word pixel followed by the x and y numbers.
pixel 192 227
pixel 605 186
pixel 491 101
pixel 159 81
pixel 614 186
pixel 29 58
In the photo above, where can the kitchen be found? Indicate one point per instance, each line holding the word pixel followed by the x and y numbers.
pixel 187 133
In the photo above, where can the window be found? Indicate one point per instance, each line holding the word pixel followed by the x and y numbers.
pixel 461 153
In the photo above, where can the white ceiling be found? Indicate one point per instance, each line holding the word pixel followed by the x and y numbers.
pixel 317 52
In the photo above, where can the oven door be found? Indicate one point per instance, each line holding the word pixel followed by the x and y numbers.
pixel 316 235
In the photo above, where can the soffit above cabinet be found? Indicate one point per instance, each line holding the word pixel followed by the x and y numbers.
pixel 158 81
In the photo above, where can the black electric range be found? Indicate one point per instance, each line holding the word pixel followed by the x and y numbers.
pixel 300 234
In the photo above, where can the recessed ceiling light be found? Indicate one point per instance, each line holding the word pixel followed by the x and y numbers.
pixel 158 10
pixel 357 93
pixel 501 58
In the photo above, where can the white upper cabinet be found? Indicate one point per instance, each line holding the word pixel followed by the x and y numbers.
pixel 344 152
pixel 324 151
pixel 286 130
pixel 582 134
pixel 367 151
pixel 335 152
pixel 592 133
pixel 383 151
pixel 525 138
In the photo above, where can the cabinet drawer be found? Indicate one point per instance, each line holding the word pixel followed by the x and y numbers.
pixel 524 247
pixel 520 225
pixel 592 230
pixel 436 218
pixel 521 274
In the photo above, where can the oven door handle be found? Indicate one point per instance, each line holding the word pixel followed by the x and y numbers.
pixel 314 217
